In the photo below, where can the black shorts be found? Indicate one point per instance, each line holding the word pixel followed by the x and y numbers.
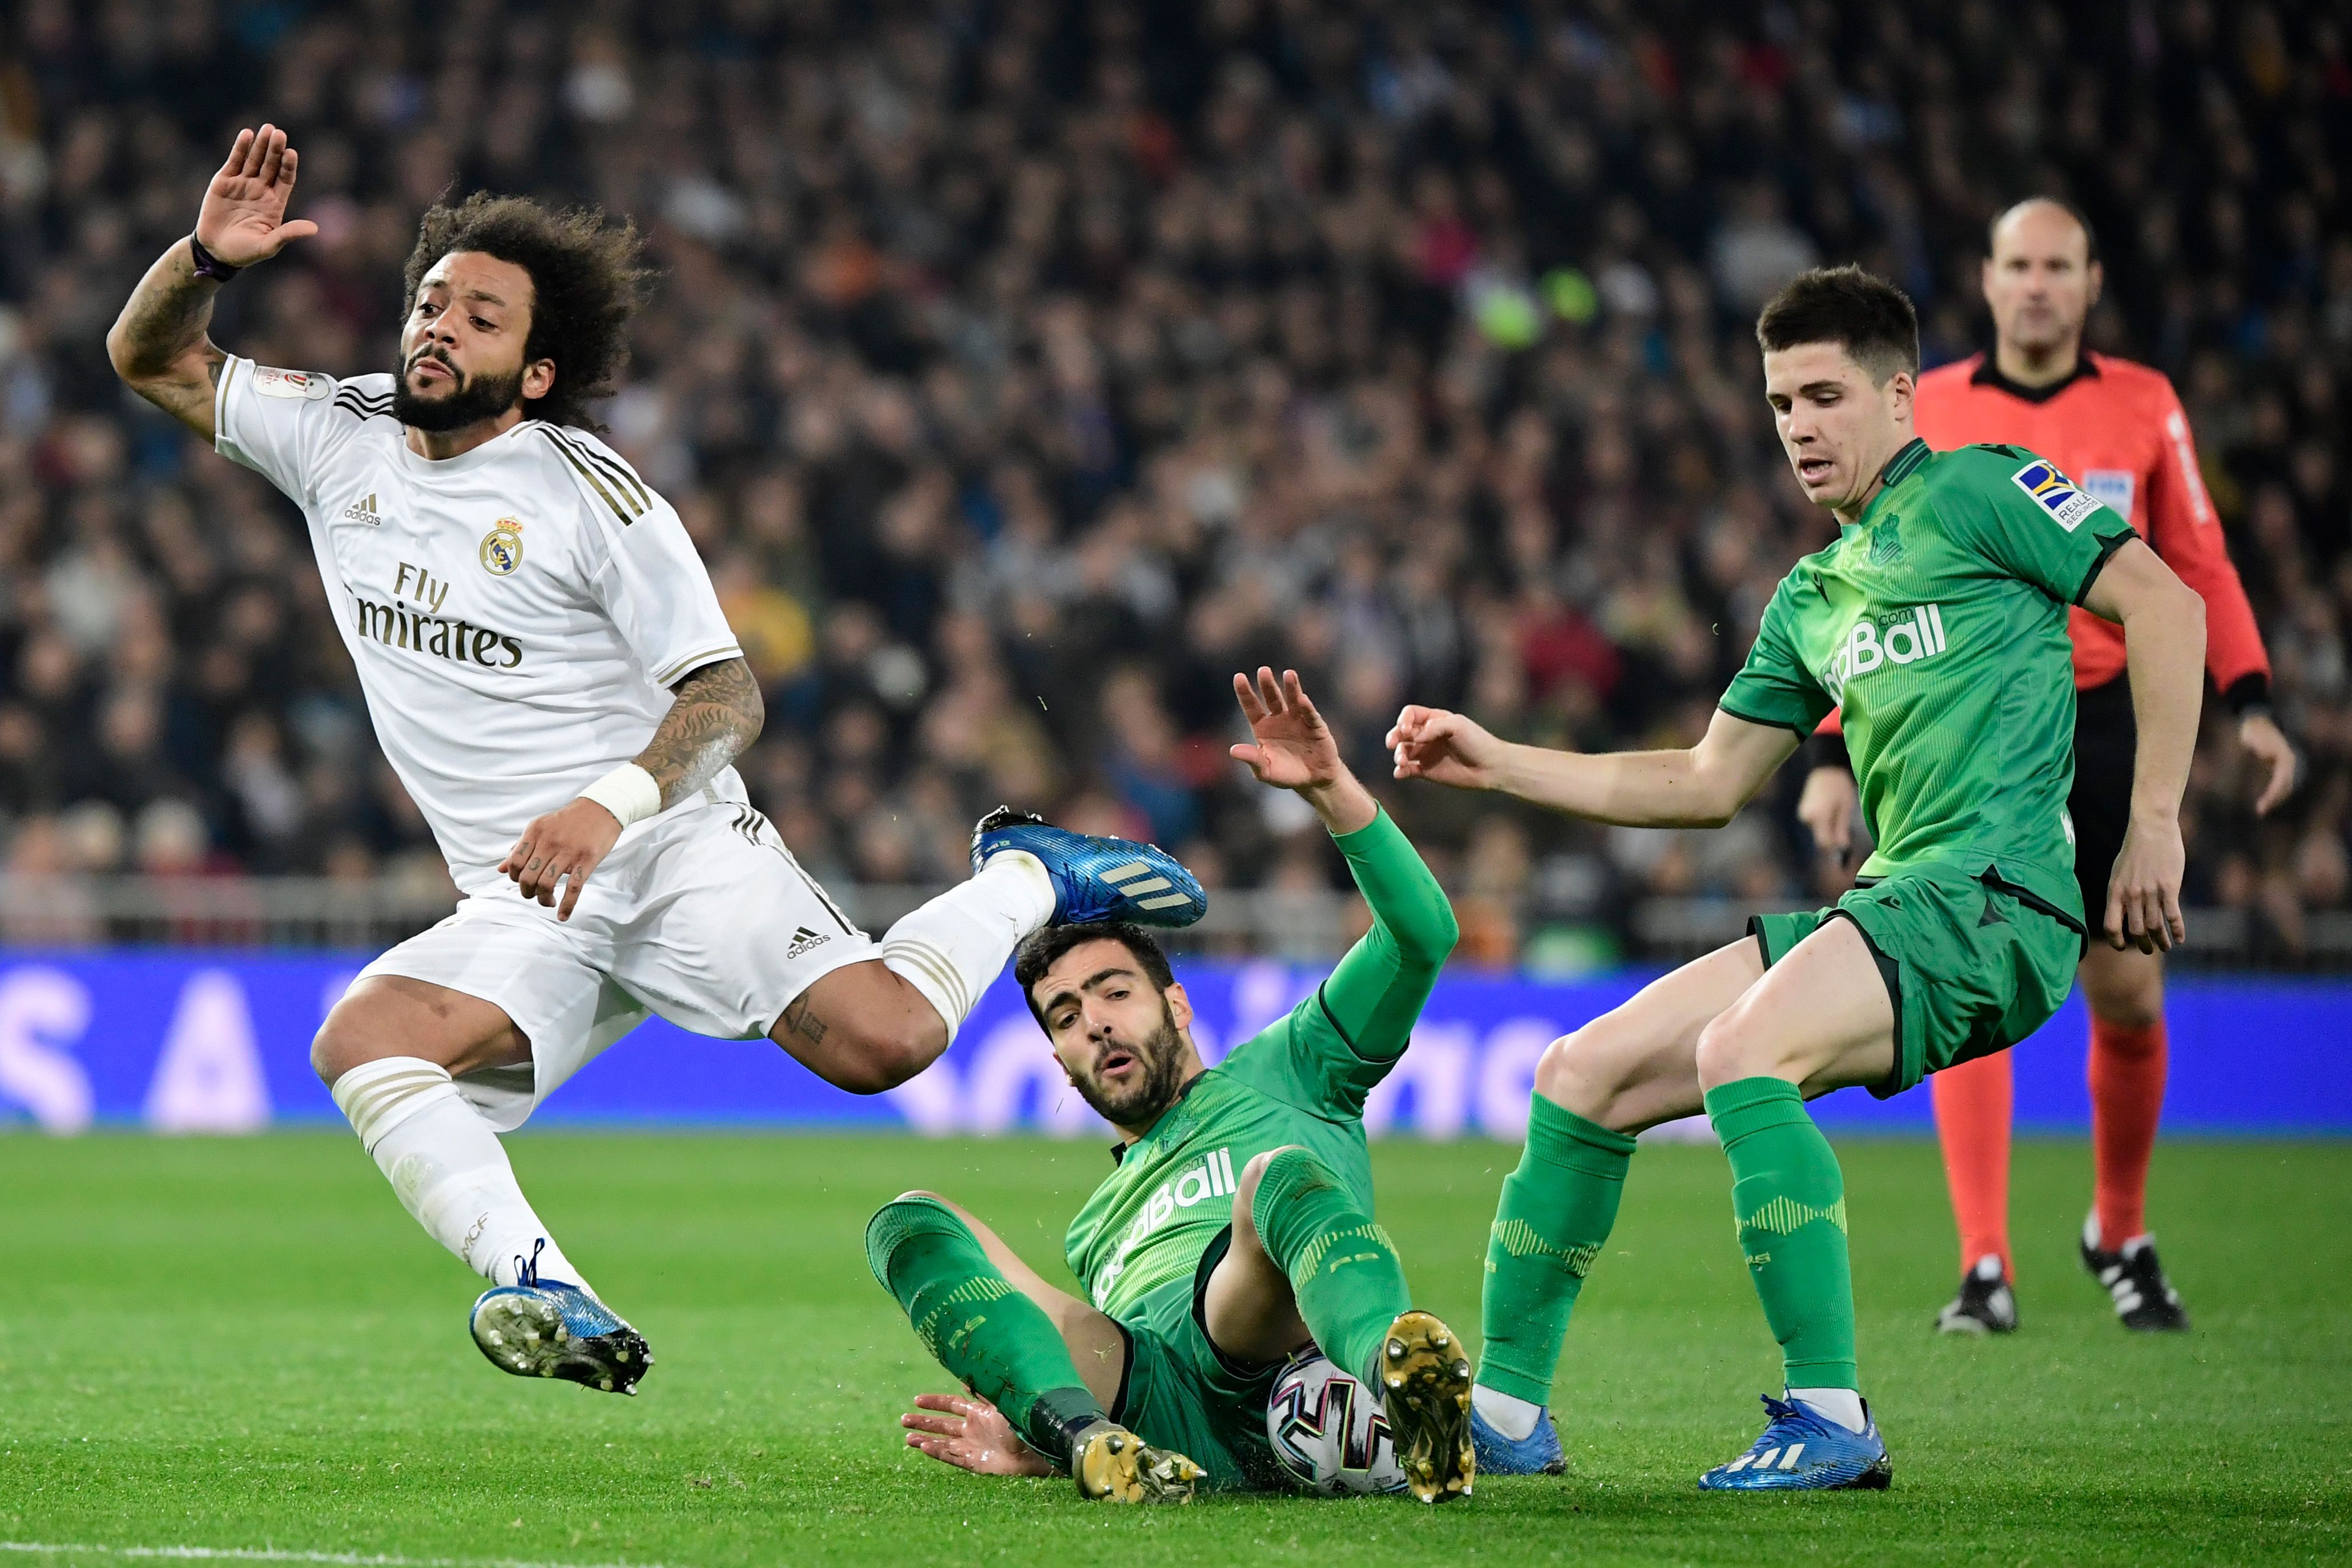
pixel 2105 741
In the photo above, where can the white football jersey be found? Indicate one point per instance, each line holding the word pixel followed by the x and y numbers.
pixel 517 614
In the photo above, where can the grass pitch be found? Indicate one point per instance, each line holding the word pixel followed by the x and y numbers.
pixel 246 1345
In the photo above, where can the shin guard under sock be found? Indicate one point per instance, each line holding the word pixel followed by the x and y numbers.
pixel 1556 1211
pixel 1972 1125
pixel 990 1337
pixel 1344 1271
pixel 2127 1073
pixel 1788 1197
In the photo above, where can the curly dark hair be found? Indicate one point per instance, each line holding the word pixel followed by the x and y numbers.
pixel 587 279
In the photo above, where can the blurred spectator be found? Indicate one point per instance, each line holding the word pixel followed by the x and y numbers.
pixel 1025 371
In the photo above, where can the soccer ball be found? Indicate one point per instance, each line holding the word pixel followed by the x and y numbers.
pixel 1329 1435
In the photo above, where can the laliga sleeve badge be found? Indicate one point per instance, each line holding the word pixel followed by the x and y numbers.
pixel 501 550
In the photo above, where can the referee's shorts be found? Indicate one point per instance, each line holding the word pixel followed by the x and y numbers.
pixel 2106 739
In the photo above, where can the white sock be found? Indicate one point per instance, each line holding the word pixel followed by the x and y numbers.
pixel 1843 1405
pixel 951 947
pixel 447 1167
pixel 1508 1414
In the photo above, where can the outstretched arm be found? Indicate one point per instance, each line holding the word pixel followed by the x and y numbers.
pixel 718 713
pixel 2164 647
pixel 158 344
pixel 1374 997
pixel 1703 786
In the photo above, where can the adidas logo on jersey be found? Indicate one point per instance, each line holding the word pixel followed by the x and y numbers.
pixel 363 512
pixel 1916 635
pixel 1213 1176
pixel 802 940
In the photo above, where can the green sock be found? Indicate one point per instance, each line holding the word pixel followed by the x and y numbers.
pixel 1556 1212
pixel 1344 1271
pixel 1788 1196
pixel 994 1340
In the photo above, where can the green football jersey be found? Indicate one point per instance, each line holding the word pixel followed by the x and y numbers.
pixel 1302 1080
pixel 1936 624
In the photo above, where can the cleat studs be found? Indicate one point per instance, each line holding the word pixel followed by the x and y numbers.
pixel 622 1356
pixel 606 1384
pixel 1396 1350
pixel 1439 1341
pixel 547 1372
pixel 496 1338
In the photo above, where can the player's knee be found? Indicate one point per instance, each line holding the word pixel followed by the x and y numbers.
pixel 340 1044
pixel 1254 1173
pixel 1583 1072
pixel 2135 1000
pixel 1731 1048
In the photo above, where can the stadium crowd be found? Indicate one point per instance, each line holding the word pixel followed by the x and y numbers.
pixel 1022 370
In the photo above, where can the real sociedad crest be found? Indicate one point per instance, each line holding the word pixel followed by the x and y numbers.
pixel 502 547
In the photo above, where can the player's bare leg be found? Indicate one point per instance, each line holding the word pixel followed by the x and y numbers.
pixel 1042 1374
pixel 1306 1264
pixel 1631 1068
pixel 2127 1066
pixel 870 1027
pixel 1749 1046
pixel 390 1051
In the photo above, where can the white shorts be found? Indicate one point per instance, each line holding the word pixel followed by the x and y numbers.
pixel 704 918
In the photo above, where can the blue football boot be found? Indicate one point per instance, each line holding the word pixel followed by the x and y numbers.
pixel 1536 1454
pixel 551 1328
pixel 1802 1451
pixel 1094 879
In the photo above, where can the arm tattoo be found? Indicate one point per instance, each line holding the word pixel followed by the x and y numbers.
pixel 798 1019
pixel 159 346
pixel 717 715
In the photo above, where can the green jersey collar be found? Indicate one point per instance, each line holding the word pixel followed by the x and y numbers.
pixel 1899 467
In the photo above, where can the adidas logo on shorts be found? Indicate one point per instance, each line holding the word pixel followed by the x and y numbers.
pixel 804 940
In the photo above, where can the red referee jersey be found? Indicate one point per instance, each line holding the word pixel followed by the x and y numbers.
pixel 2117 430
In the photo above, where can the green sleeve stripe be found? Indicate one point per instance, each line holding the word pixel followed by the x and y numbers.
pixel 2107 548
pixel 1804 734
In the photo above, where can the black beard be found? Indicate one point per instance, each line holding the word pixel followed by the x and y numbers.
pixel 1163 1056
pixel 473 400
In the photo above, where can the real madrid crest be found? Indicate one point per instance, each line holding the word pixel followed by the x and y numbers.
pixel 502 547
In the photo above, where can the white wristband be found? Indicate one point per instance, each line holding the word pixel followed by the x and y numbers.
pixel 628 792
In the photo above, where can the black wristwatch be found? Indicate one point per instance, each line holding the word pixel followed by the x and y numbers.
pixel 208 264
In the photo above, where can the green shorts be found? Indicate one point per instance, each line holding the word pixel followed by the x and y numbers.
pixel 1972 963
pixel 1181 1392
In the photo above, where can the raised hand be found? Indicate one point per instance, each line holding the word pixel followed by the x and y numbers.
pixel 967 1432
pixel 243 218
pixel 1294 748
pixel 1445 748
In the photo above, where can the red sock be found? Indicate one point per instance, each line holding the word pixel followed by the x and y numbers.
pixel 2127 1065
pixel 1972 1108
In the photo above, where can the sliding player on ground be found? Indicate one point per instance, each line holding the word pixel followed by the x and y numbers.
pixel 1238 1223
pixel 1938 619
pixel 549 672
pixel 2118 428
